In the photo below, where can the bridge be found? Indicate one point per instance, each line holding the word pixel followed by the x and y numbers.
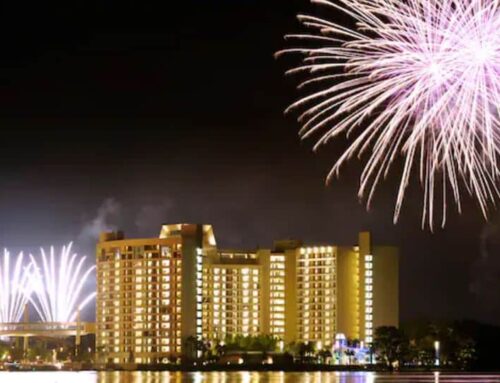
pixel 27 329
pixel 49 329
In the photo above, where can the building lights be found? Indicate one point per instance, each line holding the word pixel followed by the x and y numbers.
pixel 234 292
pixel 368 298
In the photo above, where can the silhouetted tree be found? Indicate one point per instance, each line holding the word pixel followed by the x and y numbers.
pixel 390 345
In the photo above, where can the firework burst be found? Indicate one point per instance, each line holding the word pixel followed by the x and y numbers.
pixel 57 285
pixel 14 288
pixel 414 79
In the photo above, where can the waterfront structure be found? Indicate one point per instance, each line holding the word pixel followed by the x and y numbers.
pixel 149 295
pixel 153 295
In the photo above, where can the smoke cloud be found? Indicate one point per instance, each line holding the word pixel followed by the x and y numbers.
pixel 105 220
pixel 150 217
pixel 486 272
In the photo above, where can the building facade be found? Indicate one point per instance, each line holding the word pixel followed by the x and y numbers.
pixel 154 294
pixel 149 293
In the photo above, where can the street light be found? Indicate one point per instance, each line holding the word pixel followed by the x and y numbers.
pixel 436 349
pixel 281 346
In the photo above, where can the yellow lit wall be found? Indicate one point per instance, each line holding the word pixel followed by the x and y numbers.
pixel 348 293
pixel 385 286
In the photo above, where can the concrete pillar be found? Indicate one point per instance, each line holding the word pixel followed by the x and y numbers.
pixel 26 319
pixel 25 344
pixel 78 339
pixel 26 316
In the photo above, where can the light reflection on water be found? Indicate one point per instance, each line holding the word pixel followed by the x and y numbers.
pixel 239 377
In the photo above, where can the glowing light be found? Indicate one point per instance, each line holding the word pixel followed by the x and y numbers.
pixel 14 288
pixel 416 79
pixel 57 285
pixel 281 345
pixel 436 350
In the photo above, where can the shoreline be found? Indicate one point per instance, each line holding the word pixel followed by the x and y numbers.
pixel 244 367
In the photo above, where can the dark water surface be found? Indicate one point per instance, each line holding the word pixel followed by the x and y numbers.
pixel 240 377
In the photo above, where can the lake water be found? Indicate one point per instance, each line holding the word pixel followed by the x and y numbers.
pixel 239 377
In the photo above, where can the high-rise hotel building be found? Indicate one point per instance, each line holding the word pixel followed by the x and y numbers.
pixel 153 294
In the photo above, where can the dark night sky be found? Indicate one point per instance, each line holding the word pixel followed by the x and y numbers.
pixel 134 113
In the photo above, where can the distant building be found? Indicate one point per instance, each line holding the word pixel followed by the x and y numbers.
pixel 154 294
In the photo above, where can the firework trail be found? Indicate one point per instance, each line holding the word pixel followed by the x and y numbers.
pixel 57 285
pixel 415 79
pixel 14 288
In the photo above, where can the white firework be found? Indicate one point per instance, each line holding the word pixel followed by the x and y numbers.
pixel 14 288
pixel 417 79
pixel 57 285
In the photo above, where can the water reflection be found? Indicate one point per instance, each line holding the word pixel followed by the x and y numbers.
pixel 236 377
pixel 239 377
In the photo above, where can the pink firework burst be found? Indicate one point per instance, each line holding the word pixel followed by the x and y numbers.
pixel 417 80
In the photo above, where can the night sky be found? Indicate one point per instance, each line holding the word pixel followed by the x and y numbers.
pixel 130 114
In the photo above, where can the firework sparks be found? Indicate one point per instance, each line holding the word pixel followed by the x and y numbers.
pixel 57 285
pixel 14 288
pixel 415 79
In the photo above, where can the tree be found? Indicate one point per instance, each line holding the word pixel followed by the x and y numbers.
pixel 350 355
pixel 304 350
pixel 263 343
pixel 220 349
pixel 390 345
pixel 194 347
pixel 190 348
pixel 16 353
pixel 38 353
pixel 324 355
pixel 466 353
pixel 457 347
